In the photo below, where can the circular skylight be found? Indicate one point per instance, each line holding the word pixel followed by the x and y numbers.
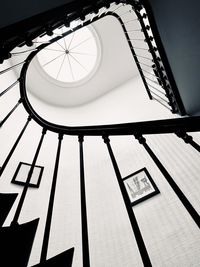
pixel 73 58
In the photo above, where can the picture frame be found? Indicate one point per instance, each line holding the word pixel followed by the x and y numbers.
pixel 140 186
pixel 21 175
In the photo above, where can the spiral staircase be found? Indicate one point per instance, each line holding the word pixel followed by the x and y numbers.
pixel 148 52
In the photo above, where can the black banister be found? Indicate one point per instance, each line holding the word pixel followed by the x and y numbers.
pixel 25 189
pixel 14 146
pixel 8 88
pixel 134 224
pixel 186 203
pixel 133 52
pixel 147 5
pixel 84 224
pixel 165 81
pixel 12 67
pixel 10 113
pixel 86 130
pixel 151 47
pixel 189 124
pixel 188 139
pixel 45 243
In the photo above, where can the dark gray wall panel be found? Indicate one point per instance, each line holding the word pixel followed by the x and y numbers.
pixel 179 23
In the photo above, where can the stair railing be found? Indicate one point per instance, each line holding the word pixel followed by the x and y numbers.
pixel 159 89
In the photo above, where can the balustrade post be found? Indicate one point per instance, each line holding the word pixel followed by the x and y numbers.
pixel 14 146
pixel 9 87
pixel 51 202
pixel 188 139
pixel 129 209
pixel 10 113
pixel 84 224
pixel 25 189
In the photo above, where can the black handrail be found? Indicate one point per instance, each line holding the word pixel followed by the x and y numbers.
pixel 84 220
pixel 154 28
pixel 134 224
pixel 47 22
pixel 136 6
pixel 177 190
pixel 138 129
pixel 148 127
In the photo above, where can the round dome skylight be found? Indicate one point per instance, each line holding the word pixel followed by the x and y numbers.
pixel 72 59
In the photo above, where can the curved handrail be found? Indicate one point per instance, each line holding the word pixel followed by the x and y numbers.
pixel 146 127
pixel 44 123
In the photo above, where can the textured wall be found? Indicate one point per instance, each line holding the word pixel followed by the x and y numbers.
pixel 171 236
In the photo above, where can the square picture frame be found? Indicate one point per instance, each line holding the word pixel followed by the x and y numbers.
pixel 140 186
pixel 21 174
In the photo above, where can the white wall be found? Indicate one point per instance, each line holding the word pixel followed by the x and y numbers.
pixel 171 237
pixel 127 103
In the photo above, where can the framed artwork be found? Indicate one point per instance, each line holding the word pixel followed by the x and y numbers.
pixel 140 186
pixel 21 175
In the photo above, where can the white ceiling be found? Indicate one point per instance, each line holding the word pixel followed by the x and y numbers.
pixel 116 67
pixel 103 98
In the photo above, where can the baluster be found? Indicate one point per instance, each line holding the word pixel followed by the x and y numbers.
pixel 152 49
pixel 159 101
pixel 188 139
pixel 134 54
pixel 142 48
pixel 132 218
pixel 160 97
pixel 146 58
pixel 10 68
pixel 85 242
pixel 195 216
pixel 9 87
pixel 126 22
pixel 14 146
pixel 10 113
pixel 25 189
pixel 158 90
pixel 162 79
pixel 22 52
pixel 51 202
pixel 178 105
